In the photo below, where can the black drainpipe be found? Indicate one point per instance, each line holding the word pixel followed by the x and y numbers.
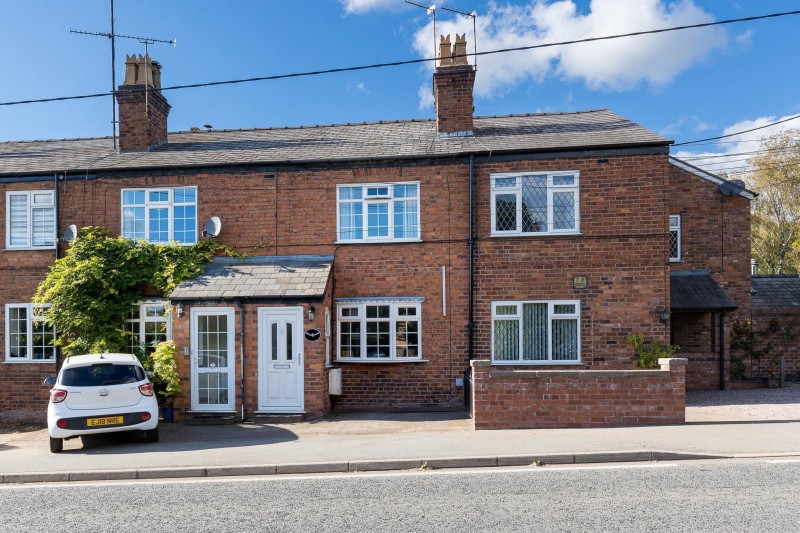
pixel 722 350
pixel 243 315
pixel 470 321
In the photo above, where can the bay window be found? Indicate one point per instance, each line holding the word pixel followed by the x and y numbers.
pixel 381 330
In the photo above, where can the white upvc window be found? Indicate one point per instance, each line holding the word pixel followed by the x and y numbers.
pixel 160 215
pixel 380 331
pixel 675 238
pixel 535 203
pixel 28 337
pixel 30 220
pixel 147 324
pixel 536 332
pixel 378 212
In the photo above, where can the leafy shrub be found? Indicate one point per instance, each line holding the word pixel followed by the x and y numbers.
pixel 649 351
pixel 165 378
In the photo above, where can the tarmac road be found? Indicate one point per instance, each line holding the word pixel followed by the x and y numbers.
pixel 725 495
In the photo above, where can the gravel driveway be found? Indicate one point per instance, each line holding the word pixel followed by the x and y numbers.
pixel 744 405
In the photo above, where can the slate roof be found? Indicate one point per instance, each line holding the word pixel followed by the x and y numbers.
pixel 344 142
pixel 695 290
pixel 229 278
pixel 779 291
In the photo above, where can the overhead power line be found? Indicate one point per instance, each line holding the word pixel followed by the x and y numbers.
pixel 425 60
pixel 739 132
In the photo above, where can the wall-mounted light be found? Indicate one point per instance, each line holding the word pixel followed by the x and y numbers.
pixel 663 315
pixel 311 314
pixel 178 310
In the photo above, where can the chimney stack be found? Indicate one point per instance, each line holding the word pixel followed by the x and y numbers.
pixel 143 110
pixel 453 81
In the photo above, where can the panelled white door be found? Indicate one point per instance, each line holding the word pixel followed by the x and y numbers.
pixel 213 359
pixel 280 359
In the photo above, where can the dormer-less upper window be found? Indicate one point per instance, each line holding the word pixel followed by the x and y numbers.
pixel 674 238
pixel 160 215
pixel 30 219
pixel 535 203
pixel 378 212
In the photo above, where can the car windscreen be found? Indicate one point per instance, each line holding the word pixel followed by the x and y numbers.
pixel 101 374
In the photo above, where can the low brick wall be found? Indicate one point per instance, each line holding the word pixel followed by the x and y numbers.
pixel 506 398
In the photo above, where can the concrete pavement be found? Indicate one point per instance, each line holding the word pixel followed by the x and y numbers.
pixel 383 441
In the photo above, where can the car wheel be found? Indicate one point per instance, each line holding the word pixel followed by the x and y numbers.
pixel 151 435
pixel 56 445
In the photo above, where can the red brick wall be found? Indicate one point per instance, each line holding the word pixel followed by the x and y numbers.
pixel 621 250
pixel 715 235
pixel 517 397
pixel 785 343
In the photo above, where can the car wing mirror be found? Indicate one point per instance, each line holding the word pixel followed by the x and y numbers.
pixel 49 381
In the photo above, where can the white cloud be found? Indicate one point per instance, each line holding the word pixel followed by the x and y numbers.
pixel 735 151
pixel 362 6
pixel 359 87
pixel 745 38
pixel 615 65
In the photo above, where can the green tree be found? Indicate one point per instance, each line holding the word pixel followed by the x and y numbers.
pixel 100 277
pixel 776 210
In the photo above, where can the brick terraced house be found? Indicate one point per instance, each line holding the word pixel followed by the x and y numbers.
pixel 384 260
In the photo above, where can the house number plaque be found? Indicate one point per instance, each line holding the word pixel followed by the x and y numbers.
pixel 312 335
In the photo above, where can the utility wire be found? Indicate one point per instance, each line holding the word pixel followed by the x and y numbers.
pixel 739 132
pixel 425 60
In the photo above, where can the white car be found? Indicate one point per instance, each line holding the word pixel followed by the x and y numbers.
pixel 100 393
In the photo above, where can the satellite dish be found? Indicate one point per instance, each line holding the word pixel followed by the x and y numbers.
pixel 71 233
pixel 212 227
pixel 731 188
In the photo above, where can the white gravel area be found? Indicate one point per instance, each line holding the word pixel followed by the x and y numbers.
pixel 744 405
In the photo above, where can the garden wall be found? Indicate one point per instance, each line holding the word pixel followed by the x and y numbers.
pixel 506 398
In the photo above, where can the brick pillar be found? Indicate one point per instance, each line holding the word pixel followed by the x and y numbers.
pixel 480 377
pixel 677 375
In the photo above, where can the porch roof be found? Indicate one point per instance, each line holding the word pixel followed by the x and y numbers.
pixel 279 277
pixel 776 291
pixel 696 290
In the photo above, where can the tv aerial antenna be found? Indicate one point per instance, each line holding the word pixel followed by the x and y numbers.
pixel 431 10
pixel 112 36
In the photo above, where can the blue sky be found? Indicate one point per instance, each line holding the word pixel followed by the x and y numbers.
pixel 686 85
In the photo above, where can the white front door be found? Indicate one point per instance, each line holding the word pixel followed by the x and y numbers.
pixel 280 359
pixel 213 359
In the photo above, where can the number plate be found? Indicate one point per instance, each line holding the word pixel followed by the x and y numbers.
pixel 105 421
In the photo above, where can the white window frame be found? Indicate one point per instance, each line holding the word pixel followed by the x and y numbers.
pixel 393 318
pixel 551 316
pixel 675 227
pixel 366 200
pixel 143 318
pixel 31 205
pixel 551 188
pixel 170 204
pixel 31 308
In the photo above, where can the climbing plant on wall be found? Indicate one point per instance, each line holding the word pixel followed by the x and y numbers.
pixel 100 277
